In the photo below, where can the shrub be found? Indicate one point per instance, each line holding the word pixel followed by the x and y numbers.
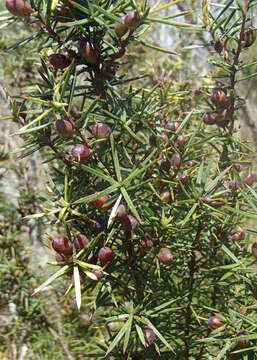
pixel 166 275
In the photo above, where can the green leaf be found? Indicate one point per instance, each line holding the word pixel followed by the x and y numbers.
pixel 117 339
pixel 216 180
pixel 223 351
pixel 130 203
pixel 190 213
pixel 60 272
pixel 115 159
pixel 98 173
pixel 140 335
pixel 95 196
pixel 128 331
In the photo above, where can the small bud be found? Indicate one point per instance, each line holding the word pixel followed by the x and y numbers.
pixel 209 118
pixel 249 179
pixel 218 45
pixel 238 167
pixel 101 130
pixel 64 128
pixel 89 52
pixel 97 226
pixel 62 244
pixel 149 335
pixel 80 241
pixel 183 178
pixel 8 277
pixel 239 235
pixel 206 199
pixel 254 249
pixel 243 342
pixel 19 7
pixel 59 61
pixel 146 245
pixel 165 256
pixel 99 203
pixel 219 97
pixel 129 223
pixel 173 126
pixel 80 153
pixel 106 255
pixel 249 37
pixel 120 29
pixel 165 195
pixel 98 273
pixel 16 287
pixel 190 163
pixel 132 20
pixel 215 322
pixel 222 118
pixel 233 185
pixel 181 140
pixel 176 160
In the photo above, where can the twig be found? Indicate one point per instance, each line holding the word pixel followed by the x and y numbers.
pixel 64 346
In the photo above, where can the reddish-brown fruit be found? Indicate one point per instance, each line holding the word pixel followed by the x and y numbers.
pixel 239 235
pixel 101 130
pixel 149 335
pixel 62 244
pixel 132 20
pixel 215 322
pixel 209 118
pixel 238 167
pixel 173 126
pixel 165 256
pixel 80 241
pixel 120 29
pixel 219 97
pixel 89 52
pixel 98 273
pixel 19 7
pixel 180 140
pixel 81 153
pixel 106 255
pixel 254 249
pixel 222 118
pixel 59 61
pixel 64 128
pixel 99 203
pixel 206 199
pixel 183 178
pixel 243 342
pixel 97 225
pixel 249 179
pixel 233 185
pixel 129 223
pixel 190 163
pixel 114 326
pixel 176 160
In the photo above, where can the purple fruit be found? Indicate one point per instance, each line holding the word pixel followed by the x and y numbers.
pixel 98 273
pixel 106 255
pixel 81 153
pixel 59 61
pixel 239 235
pixel 209 118
pixel 64 128
pixel 101 130
pixel 120 29
pixel 149 335
pixel 129 223
pixel 19 7
pixel 215 322
pixel 176 160
pixel 62 244
pixel 80 241
pixel 165 256
pixel 183 178
pixel 173 126
pixel 243 342
pixel 254 249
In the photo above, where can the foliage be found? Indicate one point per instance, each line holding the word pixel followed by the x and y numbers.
pixel 150 169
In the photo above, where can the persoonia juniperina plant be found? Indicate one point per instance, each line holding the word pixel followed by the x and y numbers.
pixel 151 187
